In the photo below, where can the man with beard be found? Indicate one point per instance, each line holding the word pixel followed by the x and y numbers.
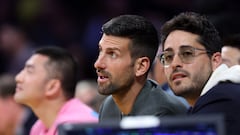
pixel 194 69
pixel 126 51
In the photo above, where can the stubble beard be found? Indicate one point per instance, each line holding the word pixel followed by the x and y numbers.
pixel 118 86
pixel 192 89
pixel 105 89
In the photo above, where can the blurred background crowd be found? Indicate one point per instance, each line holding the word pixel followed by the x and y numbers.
pixel 76 25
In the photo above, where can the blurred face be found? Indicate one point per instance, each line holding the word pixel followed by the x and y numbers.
pixel 158 72
pixel 32 81
pixel 8 38
pixel 114 67
pixel 187 76
pixel 86 94
pixel 231 56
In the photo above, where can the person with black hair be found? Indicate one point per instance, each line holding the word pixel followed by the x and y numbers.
pixel 193 66
pixel 231 50
pixel 47 85
pixel 126 52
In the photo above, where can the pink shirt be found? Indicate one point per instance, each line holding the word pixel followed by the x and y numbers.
pixel 73 111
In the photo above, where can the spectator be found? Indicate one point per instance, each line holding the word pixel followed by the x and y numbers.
pixel 231 50
pixel 126 51
pixel 47 85
pixel 194 69
pixel 86 91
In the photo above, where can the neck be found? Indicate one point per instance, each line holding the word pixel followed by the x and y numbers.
pixel 192 99
pixel 48 111
pixel 126 99
pixel 191 102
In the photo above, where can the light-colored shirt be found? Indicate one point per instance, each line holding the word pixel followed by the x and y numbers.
pixel 73 111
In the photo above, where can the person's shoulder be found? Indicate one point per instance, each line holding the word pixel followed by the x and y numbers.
pixel 155 89
pixel 226 91
pixel 226 87
pixel 153 86
pixel 74 107
pixel 158 94
pixel 108 109
pixel 108 102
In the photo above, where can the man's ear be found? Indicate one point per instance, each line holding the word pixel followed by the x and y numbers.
pixel 216 60
pixel 53 88
pixel 141 66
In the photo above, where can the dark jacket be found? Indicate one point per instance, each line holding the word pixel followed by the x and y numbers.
pixel 223 98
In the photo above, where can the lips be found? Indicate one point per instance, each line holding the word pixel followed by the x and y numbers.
pixel 102 76
pixel 178 76
pixel 102 79
pixel 18 89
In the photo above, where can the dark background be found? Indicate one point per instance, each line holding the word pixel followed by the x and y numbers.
pixel 75 24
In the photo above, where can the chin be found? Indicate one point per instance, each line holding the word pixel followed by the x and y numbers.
pixel 18 98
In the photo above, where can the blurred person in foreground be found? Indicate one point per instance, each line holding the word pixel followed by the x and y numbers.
pixel 193 66
pixel 15 119
pixel 127 49
pixel 47 85
pixel 231 50
pixel 86 91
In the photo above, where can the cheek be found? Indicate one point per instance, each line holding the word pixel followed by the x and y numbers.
pixel 34 87
pixel 118 73
pixel 123 74
pixel 201 70
pixel 119 69
pixel 167 72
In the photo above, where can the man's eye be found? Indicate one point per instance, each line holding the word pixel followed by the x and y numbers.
pixel 30 71
pixel 187 53
pixel 113 55
pixel 168 57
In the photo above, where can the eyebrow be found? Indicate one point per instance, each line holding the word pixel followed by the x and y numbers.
pixel 29 66
pixel 170 49
pixel 113 48
pixel 108 48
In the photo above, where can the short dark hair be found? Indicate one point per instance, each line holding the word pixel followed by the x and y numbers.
pixel 61 65
pixel 196 24
pixel 232 40
pixel 143 34
pixel 7 85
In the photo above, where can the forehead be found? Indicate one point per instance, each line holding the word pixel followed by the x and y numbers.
pixel 179 38
pixel 230 49
pixel 108 41
pixel 37 60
